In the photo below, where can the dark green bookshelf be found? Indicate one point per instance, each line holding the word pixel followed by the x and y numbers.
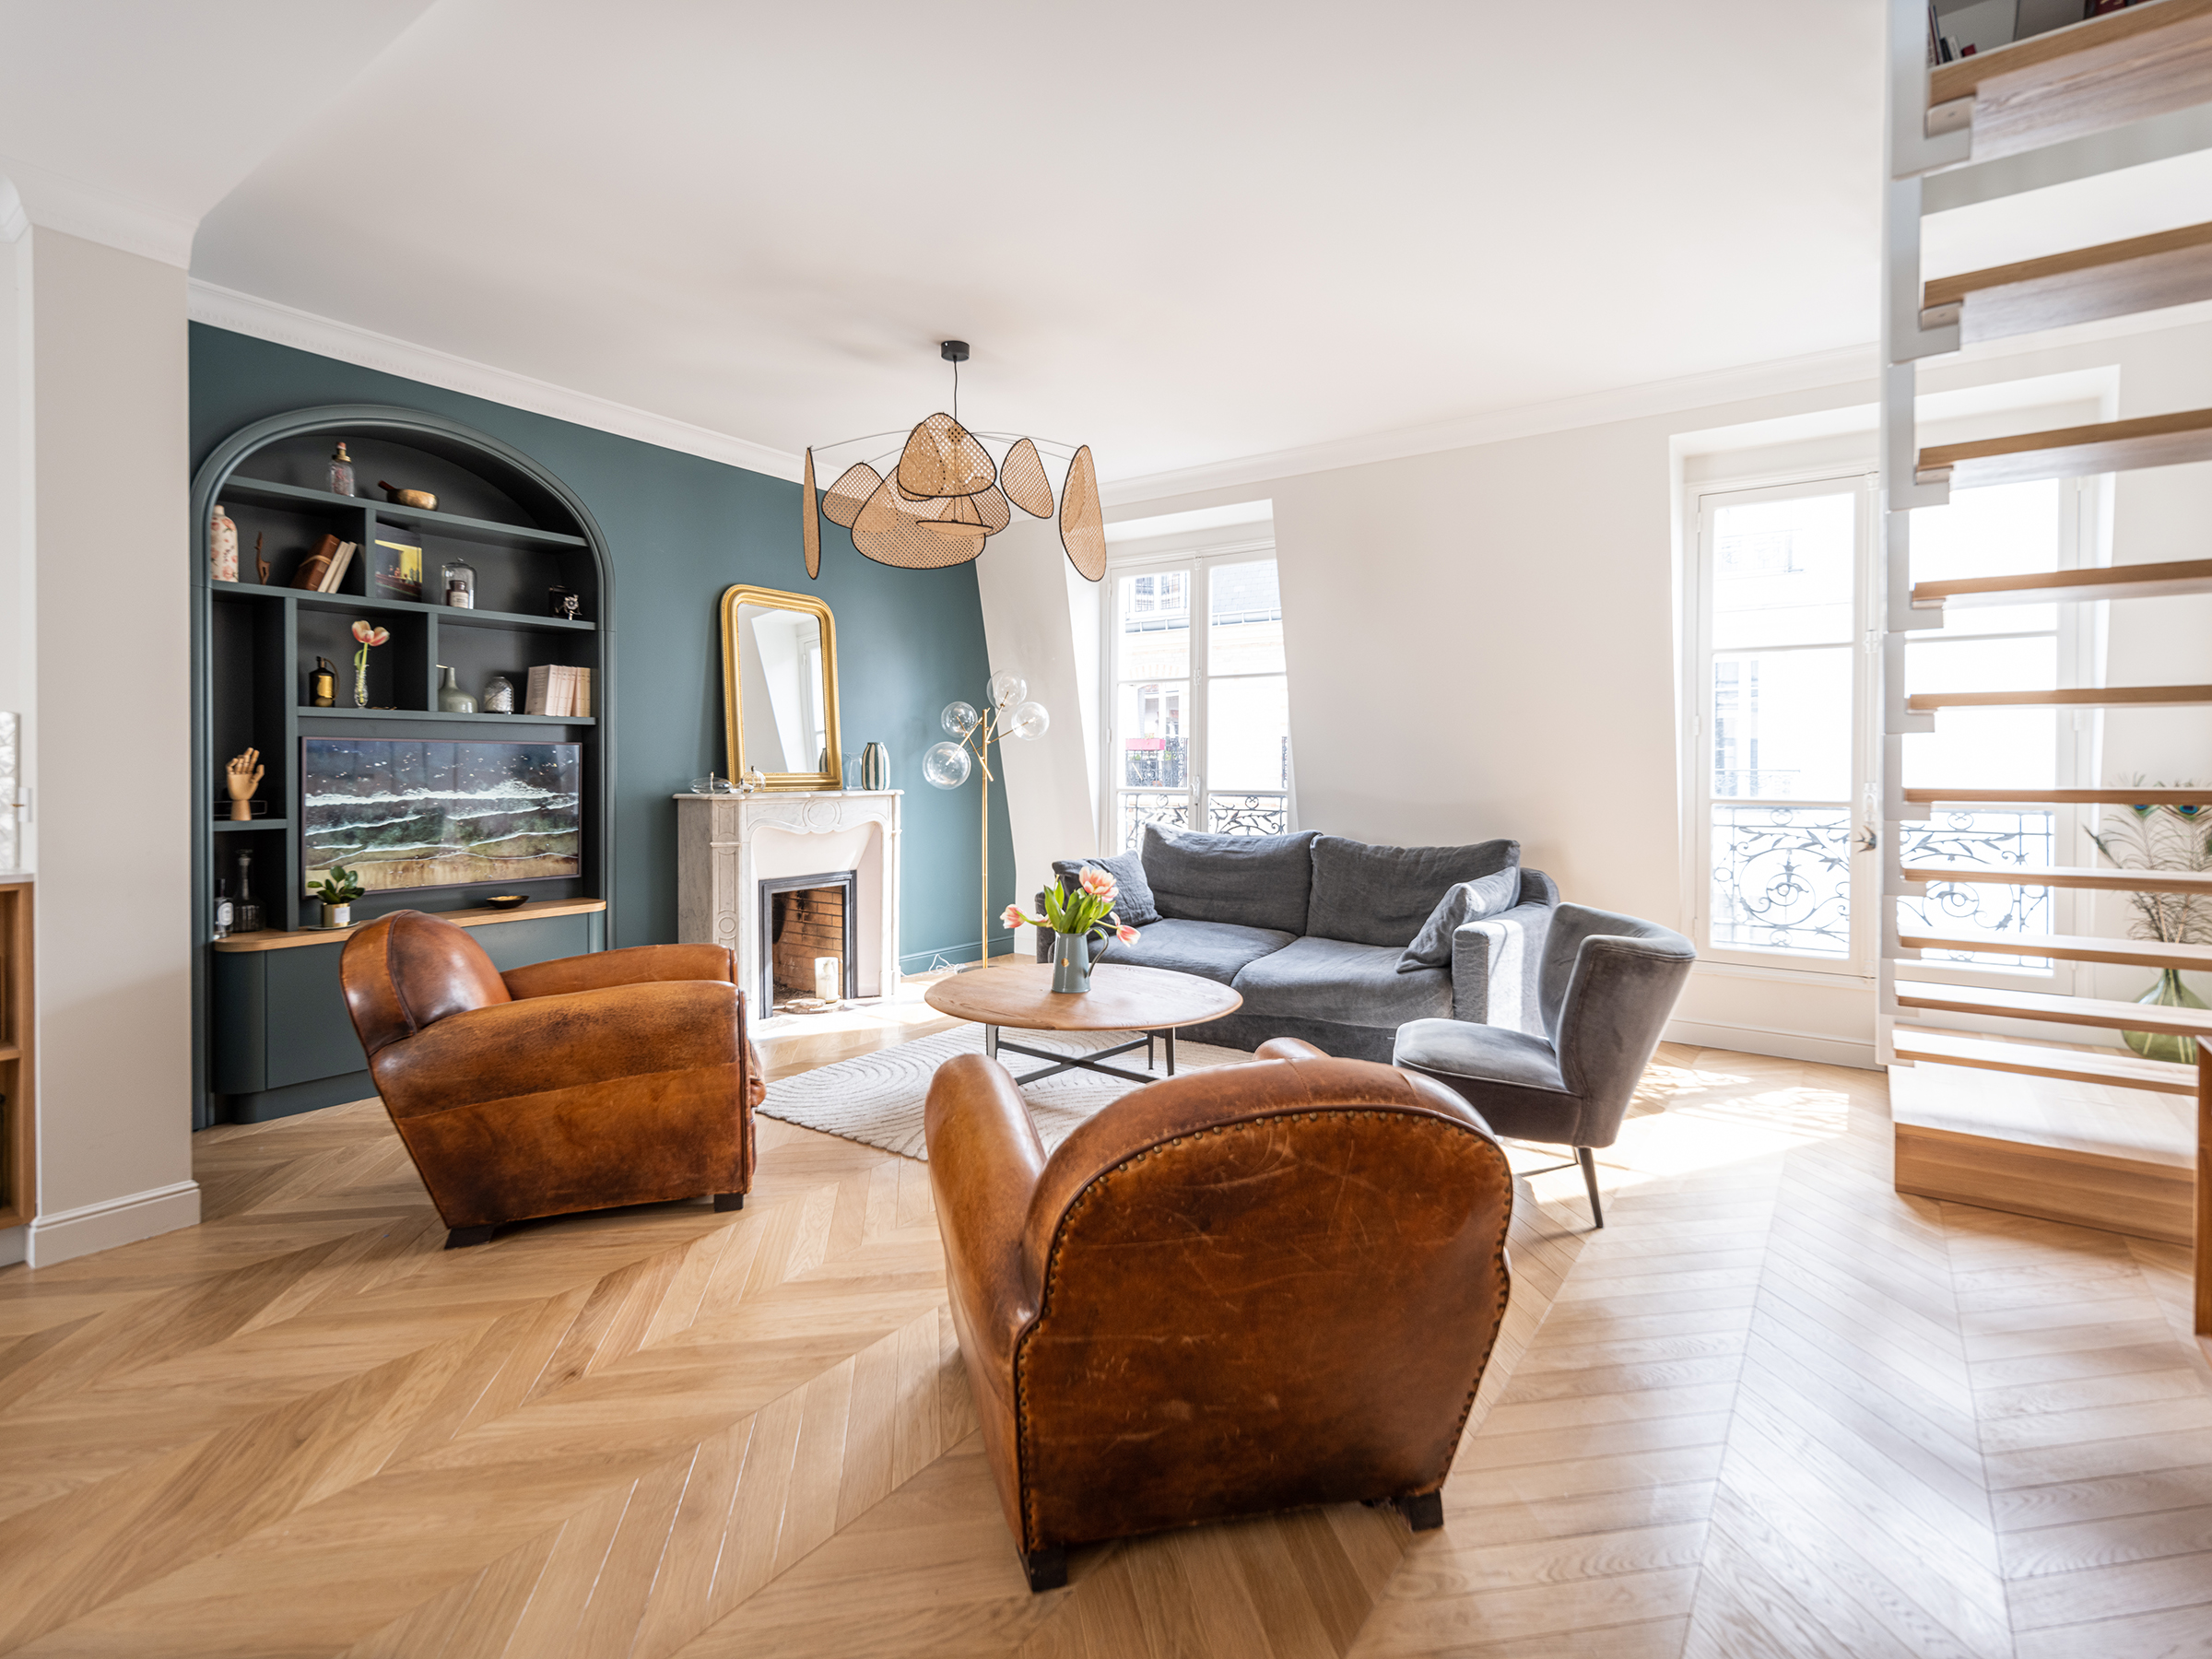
pixel 254 645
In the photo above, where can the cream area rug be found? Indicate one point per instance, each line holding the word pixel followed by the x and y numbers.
pixel 876 1098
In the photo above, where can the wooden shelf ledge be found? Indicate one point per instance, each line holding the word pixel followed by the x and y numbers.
pixel 2115 279
pixel 2072 451
pixel 2089 77
pixel 241 487
pixel 2085 697
pixel 2069 947
pixel 2111 796
pixel 2081 585
pixel 276 938
pixel 2033 1060
pixel 2094 880
pixel 2047 1006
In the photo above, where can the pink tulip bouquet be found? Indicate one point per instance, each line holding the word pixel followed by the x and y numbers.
pixel 370 635
pixel 1074 917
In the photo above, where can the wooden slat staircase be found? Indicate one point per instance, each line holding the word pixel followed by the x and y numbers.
pixel 2052 89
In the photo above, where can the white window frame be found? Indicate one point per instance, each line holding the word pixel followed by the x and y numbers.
pixel 2072 764
pixel 1197 560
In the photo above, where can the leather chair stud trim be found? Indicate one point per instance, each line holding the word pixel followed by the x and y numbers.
pixel 1422 1509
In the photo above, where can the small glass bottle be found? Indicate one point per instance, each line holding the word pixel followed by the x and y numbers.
pixel 341 470
pixel 223 917
pixel 245 913
pixel 499 696
pixel 322 684
pixel 458 583
pixel 222 546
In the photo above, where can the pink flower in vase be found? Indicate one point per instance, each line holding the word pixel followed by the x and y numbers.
pixel 1012 917
pixel 1126 933
pixel 370 635
pixel 1097 883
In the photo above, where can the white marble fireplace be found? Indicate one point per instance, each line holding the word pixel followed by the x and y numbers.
pixel 727 845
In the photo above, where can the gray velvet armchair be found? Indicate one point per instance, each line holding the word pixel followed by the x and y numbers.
pixel 1607 986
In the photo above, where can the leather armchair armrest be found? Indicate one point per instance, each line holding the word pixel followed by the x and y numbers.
pixel 640 964
pixel 1289 1048
pixel 551 1044
pixel 984 1161
pixel 1496 962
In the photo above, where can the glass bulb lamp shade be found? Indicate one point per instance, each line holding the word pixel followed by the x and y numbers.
pixel 1029 721
pixel 959 719
pixel 1006 689
pixel 946 765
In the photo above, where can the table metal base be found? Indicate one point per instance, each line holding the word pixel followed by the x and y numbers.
pixel 993 1045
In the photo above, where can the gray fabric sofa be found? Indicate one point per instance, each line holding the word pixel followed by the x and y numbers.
pixel 1309 929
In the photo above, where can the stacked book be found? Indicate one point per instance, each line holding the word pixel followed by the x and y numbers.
pixel 556 689
pixel 322 570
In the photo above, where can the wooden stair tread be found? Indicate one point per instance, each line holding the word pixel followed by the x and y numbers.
pixel 2049 1005
pixel 2028 1059
pixel 2080 584
pixel 2067 947
pixel 2117 795
pixel 2089 77
pixel 2114 280
pixel 2068 875
pixel 2072 452
pixel 2079 697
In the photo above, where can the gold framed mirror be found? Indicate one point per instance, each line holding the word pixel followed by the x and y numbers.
pixel 779 688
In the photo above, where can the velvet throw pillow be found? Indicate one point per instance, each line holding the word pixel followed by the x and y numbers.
pixel 1133 894
pixel 1467 901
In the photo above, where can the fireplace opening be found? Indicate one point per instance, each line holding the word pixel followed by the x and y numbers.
pixel 808 952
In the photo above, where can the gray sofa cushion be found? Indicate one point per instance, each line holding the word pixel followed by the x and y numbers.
pixel 1351 984
pixel 1382 895
pixel 1463 903
pixel 1255 882
pixel 1132 896
pixel 1218 950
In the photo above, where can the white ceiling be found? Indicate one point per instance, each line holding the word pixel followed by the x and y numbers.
pixel 1182 232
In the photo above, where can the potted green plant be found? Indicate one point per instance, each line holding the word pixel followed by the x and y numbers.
pixel 339 891
pixel 2164 838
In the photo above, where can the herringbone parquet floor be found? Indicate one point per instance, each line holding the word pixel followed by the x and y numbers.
pixel 1771 1409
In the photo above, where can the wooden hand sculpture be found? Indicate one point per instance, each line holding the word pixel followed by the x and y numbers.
pixel 242 777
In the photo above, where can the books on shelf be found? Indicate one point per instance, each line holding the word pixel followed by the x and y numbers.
pixel 556 689
pixel 322 569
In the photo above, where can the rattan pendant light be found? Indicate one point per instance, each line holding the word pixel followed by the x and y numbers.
pixel 937 498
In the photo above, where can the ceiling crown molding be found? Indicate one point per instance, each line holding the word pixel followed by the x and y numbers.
pixel 1818 370
pixel 36 195
pixel 325 336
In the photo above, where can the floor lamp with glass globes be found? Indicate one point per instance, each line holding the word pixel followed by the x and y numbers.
pixel 946 765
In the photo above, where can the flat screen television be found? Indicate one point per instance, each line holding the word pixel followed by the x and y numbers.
pixel 422 813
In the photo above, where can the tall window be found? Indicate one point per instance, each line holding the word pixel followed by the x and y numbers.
pixel 1201 730
pixel 1782 727
pixel 1784 720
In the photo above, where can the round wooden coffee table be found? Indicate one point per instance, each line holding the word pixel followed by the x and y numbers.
pixel 1122 997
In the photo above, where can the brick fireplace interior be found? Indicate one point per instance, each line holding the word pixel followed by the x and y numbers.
pixel 805 924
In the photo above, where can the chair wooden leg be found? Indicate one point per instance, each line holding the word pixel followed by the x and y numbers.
pixel 1424 1512
pixel 1047 1568
pixel 461 1238
pixel 1597 1211
pixel 728 1201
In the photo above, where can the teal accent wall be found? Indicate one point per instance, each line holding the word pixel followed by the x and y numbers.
pixel 679 530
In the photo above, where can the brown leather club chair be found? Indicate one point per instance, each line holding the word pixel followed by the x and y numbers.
pixel 623 1077
pixel 1251 1289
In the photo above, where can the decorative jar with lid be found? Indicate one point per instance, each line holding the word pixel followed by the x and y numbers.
pixel 458 585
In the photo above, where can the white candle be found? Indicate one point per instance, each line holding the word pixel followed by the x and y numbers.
pixel 828 977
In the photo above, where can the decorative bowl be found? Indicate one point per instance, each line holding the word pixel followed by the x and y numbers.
pixel 506 901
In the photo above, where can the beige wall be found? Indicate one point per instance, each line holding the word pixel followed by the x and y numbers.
pixel 105 448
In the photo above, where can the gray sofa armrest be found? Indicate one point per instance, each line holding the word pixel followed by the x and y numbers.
pixel 1498 961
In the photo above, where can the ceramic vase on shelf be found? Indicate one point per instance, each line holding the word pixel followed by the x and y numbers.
pixel 452 699
pixel 499 696
pixel 875 767
pixel 222 547
pixel 1071 962
pixel 2169 992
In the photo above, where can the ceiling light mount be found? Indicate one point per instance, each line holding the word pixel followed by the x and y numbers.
pixel 943 492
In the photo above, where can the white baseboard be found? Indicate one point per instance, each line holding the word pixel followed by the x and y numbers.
pixel 1782 1045
pixel 15 1243
pixel 67 1234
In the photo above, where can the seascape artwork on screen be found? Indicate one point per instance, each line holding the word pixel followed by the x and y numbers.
pixel 423 814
